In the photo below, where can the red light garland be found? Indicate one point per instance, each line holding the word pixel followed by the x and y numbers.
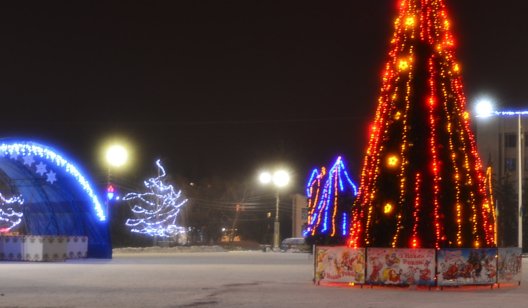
pixel 421 157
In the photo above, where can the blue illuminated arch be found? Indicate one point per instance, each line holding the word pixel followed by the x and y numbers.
pixel 58 198
pixel 28 148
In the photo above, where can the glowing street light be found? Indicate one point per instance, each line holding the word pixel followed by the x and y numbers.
pixel 279 179
pixel 116 155
pixel 484 108
pixel 265 178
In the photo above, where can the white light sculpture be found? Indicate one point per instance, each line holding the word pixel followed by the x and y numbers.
pixel 9 217
pixel 156 211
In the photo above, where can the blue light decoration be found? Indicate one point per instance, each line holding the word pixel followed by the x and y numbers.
pixel 30 152
pixel 330 198
pixel 9 216
pixel 506 113
pixel 157 209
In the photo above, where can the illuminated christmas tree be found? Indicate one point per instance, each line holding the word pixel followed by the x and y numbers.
pixel 330 196
pixel 422 182
pixel 156 210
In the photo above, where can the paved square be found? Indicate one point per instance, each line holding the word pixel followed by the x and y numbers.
pixel 216 279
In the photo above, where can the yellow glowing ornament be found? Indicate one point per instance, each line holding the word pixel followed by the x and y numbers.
pixel 403 65
pixel 446 24
pixel 388 208
pixel 466 115
pixel 410 22
pixel 393 161
pixel 456 68
pixel 397 116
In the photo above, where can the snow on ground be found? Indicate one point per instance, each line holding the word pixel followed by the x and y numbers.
pixel 217 279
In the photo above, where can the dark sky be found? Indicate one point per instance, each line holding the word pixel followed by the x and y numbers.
pixel 222 88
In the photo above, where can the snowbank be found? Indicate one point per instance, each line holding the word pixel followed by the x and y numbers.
pixel 176 249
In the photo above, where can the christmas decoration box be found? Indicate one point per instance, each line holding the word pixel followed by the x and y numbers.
pixel 509 265
pixel 11 248
pixel 77 247
pixel 45 248
pixel 340 265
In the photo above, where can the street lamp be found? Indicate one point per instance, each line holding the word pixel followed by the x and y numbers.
pixel 279 179
pixel 484 108
pixel 116 156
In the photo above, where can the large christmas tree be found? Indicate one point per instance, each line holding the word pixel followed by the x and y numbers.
pixel 422 183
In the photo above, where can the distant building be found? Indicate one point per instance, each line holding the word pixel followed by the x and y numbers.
pixel 299 214
pixel 497 141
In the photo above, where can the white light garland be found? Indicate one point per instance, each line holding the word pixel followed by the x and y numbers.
pixel 157 209
pixel 9 217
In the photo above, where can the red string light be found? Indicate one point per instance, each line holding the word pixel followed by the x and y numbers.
pixel 421 156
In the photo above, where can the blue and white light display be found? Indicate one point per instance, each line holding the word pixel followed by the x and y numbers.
pixel 327 205
pixel 10 216
pixel 156 211
pixel 43 161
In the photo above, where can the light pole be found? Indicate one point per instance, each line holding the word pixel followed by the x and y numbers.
pixel 116 156
pixel 279 179
pixel 484 108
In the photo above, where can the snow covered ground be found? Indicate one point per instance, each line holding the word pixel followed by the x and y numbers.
pixel 217 279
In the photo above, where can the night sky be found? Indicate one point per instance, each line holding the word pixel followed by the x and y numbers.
pixel 224 88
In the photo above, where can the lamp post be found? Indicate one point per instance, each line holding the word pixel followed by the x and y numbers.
pixel 279 179
pixel 484 109
pixel 116 156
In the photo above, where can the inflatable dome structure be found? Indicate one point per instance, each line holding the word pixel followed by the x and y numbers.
pixel 57 197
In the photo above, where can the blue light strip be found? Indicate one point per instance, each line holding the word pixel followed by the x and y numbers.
pixel 502 113
pixel 344 228
pixel 349 180
pixel 315 174
pixel 510 113
pixel 34 149
pixel 327 199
